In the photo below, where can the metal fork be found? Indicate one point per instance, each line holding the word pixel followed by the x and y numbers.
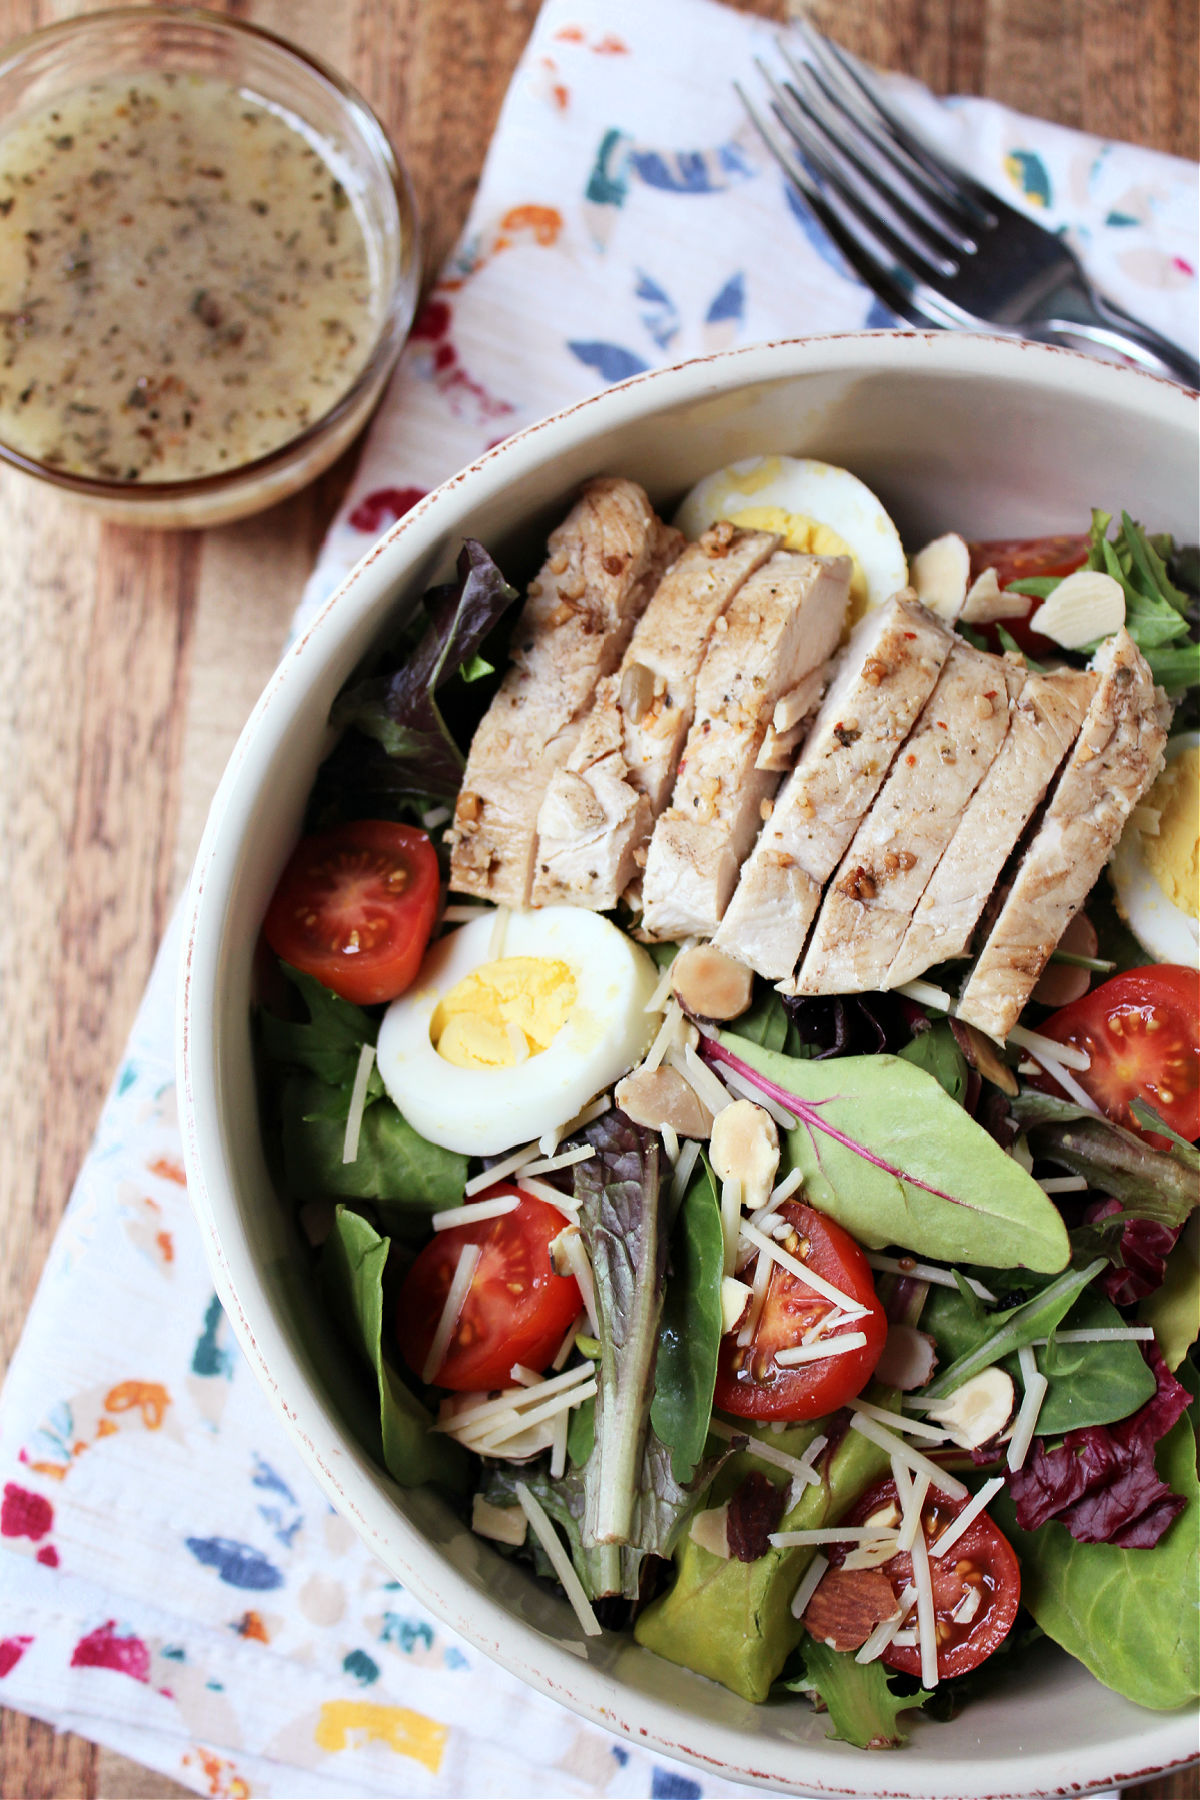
pixel 936 246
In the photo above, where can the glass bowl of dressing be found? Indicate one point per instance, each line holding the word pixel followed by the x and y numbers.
pixel 209 262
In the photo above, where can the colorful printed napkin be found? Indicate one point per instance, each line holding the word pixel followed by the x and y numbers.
pixel 172 1582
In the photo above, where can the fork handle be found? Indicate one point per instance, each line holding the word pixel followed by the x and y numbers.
pixel 1078 311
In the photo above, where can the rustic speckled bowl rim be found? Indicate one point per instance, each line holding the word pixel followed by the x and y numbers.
pixel 1001 1771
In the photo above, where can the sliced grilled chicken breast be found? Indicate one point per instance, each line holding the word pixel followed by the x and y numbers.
pixel 1044 722
pixel 881 681
pixel 1115 758
pixel 781 625
pixel 867 909
pixel 603 563
pixel 599 808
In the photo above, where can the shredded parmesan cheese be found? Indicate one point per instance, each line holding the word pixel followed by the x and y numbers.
pixel 502 1432
pixel 499 933
pixel 664 1038
pixel 925 994
pixel 568 1344
pixel 885 1632
pixel 912 1459
pixel 508 1165
pixel 821 1348
pixel 1025 1423
pixel 758 1295
pixel 670 1138
pixel 542 1190
pixel 1103 1334
pixel 926 1612
pixel 471 1215
pixel 358 1103
pixel 835 1534
pixel 549 1539
pixel 455 1300
pixel 713 1092
pixel 662 992
pixel 967 1516
pixel 800 1468
pixel 1067 1054
pixel 689 1155
pixel 787 1187
pixel 914 1427
pixel 731 1216
pixel 1063 1184
pixel 558 1450
pixel 917 1271
pixel 514 1398
pixel 809 1584
pixel 808 1276
pixel 565 1159
pixel 581 1268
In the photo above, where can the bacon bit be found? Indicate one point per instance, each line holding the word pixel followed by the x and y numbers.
pixel 754 1512
pixel 848 1605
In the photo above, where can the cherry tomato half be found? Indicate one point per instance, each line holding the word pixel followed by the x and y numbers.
pixel 517 1308
pixel 981 1561
pixel 1017 559
pixel 750 1382
pixel 355 907
pixel 1142 1032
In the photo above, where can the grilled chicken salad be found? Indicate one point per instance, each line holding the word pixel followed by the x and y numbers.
pixel 749 1149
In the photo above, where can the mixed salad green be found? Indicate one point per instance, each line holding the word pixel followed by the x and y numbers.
pixel 1004 1239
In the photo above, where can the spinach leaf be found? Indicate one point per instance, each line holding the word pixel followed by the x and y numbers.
pixel 623 1225
pixel 395 1167
pixel 862 1707
pixel 1174 1308
pixel 690 1333
pixel 1010 1331
pixel 887 1153
pixel 329 1044
pixel 1091 1384
pixel 401 711
pixel 352 1264
pixel 937 1052
pixel 1128 1615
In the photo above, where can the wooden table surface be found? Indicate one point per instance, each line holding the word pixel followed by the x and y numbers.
pixel 130 660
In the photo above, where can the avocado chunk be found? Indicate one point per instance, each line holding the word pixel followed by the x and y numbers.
pixel 732 1621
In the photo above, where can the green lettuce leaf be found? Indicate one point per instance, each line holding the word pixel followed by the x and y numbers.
pixel 862 1708
pixel 1174 1308
pixel 1128 1615
pixel 328 1045
pixel 1150 1184
pixel 690 1332
pixel 1007 1332
pixel 353 1258
pixel 937 1052
pixel 396 1167
pixel 887 1153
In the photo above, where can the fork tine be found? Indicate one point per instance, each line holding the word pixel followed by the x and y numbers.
pixel 950 219
pixel 870 270
pixel 904 254
pixel 955 184
pixel 930 239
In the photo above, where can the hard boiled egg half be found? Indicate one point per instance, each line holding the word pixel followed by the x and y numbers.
pixel 1156 869
pixel 815 507
pixel 513 1024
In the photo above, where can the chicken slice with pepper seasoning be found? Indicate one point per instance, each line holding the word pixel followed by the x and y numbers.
pixel 604 561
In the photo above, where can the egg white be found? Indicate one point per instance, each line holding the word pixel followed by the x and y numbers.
pixel 813 490
pixel 480 1112
pixel 1168 933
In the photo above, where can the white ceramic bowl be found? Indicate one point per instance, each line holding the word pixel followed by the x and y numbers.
pixel 985 436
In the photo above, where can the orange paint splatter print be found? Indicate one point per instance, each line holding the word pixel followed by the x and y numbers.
pixel 150 1398
pixel 221 1776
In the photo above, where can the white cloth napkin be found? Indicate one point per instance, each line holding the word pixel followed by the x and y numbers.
pixel 172 1583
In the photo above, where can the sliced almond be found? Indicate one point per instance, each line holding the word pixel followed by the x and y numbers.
pixel 983 1055
pixel 734 1298
pixel 1059 984
pixel 1085 606
pixel 711 1530
pixel 658 1097
pixel 908 1359
pixel 940 573
pixel 986 601
pixel 708 984
pixel 978 1410
pixel 745 1149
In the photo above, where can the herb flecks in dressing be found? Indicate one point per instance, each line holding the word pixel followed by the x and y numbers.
pixel 184 283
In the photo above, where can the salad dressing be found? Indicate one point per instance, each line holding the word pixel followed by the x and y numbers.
pixel 184 282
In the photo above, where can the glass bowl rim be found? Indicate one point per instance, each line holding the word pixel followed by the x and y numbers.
pixel 389 338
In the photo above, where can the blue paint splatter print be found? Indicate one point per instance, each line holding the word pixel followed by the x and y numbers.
pixel 239 1565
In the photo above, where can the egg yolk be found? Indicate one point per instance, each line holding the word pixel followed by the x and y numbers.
pixel 504 1012
pixel 1174 855
pixel 809 535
